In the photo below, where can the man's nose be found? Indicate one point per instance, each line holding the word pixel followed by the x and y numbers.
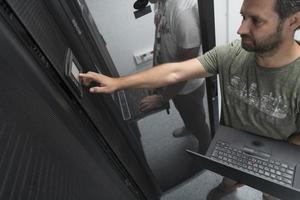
pixel 244 28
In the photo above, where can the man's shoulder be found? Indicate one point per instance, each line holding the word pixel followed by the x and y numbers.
pixel 233 48
pixel 181 6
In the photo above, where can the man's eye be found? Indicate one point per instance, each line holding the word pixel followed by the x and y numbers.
pixel 256 21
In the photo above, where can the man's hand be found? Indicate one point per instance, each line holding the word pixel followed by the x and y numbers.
pixel 151 102
pixel 105 84
pixel 295 139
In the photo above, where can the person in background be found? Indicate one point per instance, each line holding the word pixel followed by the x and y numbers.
pixel 259 76
pixel 177 38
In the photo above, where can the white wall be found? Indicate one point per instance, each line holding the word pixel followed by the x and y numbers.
pixel 234 18
pixel 221 21
pixel 123 34
pixel 227 20
pixel 126 35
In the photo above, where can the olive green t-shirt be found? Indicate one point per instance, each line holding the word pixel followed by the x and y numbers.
pixel 264 101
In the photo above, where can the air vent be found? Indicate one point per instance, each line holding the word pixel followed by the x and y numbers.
pixel 5 8
pixel 27 170
pixel 41 26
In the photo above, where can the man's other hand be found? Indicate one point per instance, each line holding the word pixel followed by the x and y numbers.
pixel 151 102
pixel 295 139
pixel 105 84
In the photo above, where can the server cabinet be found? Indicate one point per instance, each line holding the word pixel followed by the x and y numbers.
pixel 58 141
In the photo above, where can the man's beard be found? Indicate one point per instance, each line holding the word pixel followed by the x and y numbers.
pixel 271 42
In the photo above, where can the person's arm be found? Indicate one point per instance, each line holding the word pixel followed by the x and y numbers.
pixel 183 54
pixel 159 76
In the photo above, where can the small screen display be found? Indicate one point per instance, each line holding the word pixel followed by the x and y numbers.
pixel 75 72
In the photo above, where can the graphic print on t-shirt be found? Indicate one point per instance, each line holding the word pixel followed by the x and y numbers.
pixel 267 103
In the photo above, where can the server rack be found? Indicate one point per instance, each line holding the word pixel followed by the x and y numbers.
pixel 56 143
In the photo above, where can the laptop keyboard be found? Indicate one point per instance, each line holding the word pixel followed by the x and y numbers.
pixel 259 164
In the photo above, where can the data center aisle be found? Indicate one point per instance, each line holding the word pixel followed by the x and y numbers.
pixel 165 154
pixel 197 188
pixel 171 166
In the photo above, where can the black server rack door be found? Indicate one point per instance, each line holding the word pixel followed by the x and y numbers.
pixel 46 151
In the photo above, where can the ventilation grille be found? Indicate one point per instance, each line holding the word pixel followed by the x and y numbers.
pixel 27 169
pixel 39 22
pixel 27 172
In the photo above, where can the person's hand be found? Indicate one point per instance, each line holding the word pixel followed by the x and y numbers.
pixel 151 102
pixel 105 84
pixel 295 139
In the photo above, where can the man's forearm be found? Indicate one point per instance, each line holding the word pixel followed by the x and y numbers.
pixel 160 76
pixel 163 75
pixel 183 54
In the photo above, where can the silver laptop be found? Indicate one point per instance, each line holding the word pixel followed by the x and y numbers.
pixel 266 164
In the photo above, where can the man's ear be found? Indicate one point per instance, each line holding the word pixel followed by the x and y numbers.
pixel 294 21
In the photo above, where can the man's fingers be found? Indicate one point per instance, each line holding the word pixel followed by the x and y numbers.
pixel 86 79
pixel 89 77
pixel 148 105
pixel 144 107
pixel 144 100
pixel 104 84
pixel 99 90
pixel 92 75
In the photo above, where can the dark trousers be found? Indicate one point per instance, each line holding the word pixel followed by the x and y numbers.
pixel 191 110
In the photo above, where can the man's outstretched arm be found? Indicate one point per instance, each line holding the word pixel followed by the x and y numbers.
pixel 159 76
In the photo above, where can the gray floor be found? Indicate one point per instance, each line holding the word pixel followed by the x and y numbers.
pixel 176 173
pixel 197 188
pixel 165 154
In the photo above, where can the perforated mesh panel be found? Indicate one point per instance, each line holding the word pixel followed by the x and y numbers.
pixel 49 150
pixel 37 19
pixel 46 151
pixel 27 171
pixel 28 168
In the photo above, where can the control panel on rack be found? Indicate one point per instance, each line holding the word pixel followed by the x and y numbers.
pixel 73 69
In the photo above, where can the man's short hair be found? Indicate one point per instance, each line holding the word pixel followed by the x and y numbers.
pixel 286 8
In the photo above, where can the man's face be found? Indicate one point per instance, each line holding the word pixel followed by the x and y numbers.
pixel 261 29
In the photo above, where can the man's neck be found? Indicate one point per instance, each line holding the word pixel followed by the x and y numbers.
pixel 285 54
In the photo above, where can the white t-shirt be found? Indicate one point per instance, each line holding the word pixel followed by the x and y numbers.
pixel 177 24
